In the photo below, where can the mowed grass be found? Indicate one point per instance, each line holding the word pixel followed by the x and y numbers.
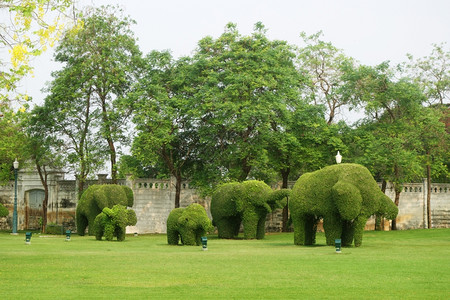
pixel 412 264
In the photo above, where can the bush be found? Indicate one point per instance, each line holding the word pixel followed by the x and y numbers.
pixel 54 228
pixel 4 212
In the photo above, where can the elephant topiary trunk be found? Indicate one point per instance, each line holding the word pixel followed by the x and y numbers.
pixel 248 203
pixel 344 196
pixel 188 224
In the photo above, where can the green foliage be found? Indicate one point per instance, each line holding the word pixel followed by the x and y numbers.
pixel 95 199
pixel 3 211
pixel 345 196
pixel 54 228
pixel 189 224
pixel 247 86
pixel 247 202
pixel 112 222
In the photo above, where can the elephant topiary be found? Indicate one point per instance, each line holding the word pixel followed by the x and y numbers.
pixel 345 196
pixel 95 198
pixel 112 222
pixel 189 224
pixel 248 202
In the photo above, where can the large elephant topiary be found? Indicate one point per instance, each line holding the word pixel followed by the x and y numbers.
pixel 345 196
pixel 189 224
pixel 112 222
pixel 248 203
pixel 95 198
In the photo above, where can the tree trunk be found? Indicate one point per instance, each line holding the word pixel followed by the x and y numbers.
pixel 379 220
pixel 43 176
pixel 396 201
pixel 177 190
pixel 113 159
pixel 285 176
pixel 429 196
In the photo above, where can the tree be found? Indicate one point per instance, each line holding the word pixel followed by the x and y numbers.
pixel 69 117
pixel 434 148
pixel 104 52
pixel 326 65
pixel 45 150
pixel 247 84
pixel 432 73
pixel 388 138
pixel 33 26
pixel 12 144
pixel 164 117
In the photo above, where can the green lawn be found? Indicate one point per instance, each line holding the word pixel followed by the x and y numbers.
pixel 412 264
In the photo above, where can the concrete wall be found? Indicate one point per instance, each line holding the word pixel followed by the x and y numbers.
pixel 154 199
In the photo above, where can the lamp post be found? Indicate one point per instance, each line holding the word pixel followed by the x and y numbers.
pixel 338 158
pixel 16 166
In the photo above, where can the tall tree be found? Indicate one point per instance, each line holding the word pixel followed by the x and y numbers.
pixel 432 73
pixel 389 142
pixel 104 52
pixel 434 148
pixel 164 117
pixel 326 65
pixel 247 85
pixel 45 150
pixel 69 117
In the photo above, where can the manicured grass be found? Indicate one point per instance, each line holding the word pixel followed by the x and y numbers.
pixel 411 264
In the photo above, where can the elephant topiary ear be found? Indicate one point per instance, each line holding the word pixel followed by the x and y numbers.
pixel 348 199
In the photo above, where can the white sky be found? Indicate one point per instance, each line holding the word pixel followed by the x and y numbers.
pixel 369 31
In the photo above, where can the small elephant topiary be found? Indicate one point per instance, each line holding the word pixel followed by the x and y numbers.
pixel 112 222
pixel 95 198
pixel 344 196
pixel 189 224
pixel 248 203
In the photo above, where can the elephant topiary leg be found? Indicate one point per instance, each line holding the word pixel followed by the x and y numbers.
pixel 332 224
pixel 348 232
pixel 250 221
pixel 228 228
pixel 98 225
pixel 82 223
pixel 173 237
pixel 305 227
pixel 358 225
pixel 188 237
pixel 261 228
pixel 120 233
pixel 109 231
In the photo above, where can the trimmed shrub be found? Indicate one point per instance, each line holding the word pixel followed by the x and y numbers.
pixel 95 199
pixel 344 196
pixel 247 203
pixel 188 224
pixel 112 222
pixel 4 212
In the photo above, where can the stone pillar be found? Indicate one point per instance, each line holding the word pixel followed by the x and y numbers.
pixel 425 190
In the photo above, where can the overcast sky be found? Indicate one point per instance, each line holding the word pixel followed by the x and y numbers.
pixel 369 31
